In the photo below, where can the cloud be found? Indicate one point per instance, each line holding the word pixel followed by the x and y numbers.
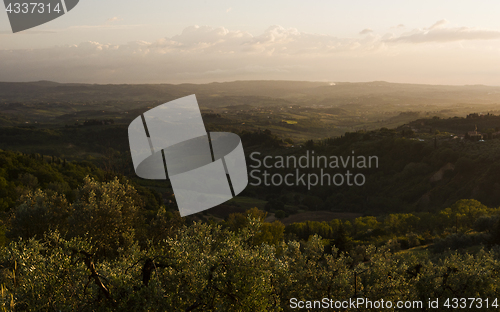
pixel 439 33
pixel 206 54
pixel 114 19
pixel 276 40
pixel 229 10
pixel 398 26
pixel 198 53
pixel 439 24
pixel 366 31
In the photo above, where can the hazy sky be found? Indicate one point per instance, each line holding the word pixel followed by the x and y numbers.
pixel 154 41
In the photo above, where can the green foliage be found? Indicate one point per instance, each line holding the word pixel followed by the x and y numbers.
pixel 103 264
pixel 108 245
pixel 164 225
pixel 464 213
pixel 106 213
pixel 270 233
pixel 21 174
pixel 238 221
pixel 408 230
pixel 459 241
pixel 208 268
pixel 280 214
pixel 204 267
pixel 363 224
pixel 38 213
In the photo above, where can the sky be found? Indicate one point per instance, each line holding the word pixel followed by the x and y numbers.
pixel 200 41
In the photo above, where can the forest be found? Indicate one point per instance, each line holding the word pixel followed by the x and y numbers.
pixel 77 234
pixel 80 232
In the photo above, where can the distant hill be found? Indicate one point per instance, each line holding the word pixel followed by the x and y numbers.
pixel 377 93
pixel 51 91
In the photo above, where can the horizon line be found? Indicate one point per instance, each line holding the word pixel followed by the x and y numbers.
pixel 331 83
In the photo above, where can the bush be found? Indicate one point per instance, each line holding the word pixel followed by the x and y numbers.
pixel 459 241
pixel 280 214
